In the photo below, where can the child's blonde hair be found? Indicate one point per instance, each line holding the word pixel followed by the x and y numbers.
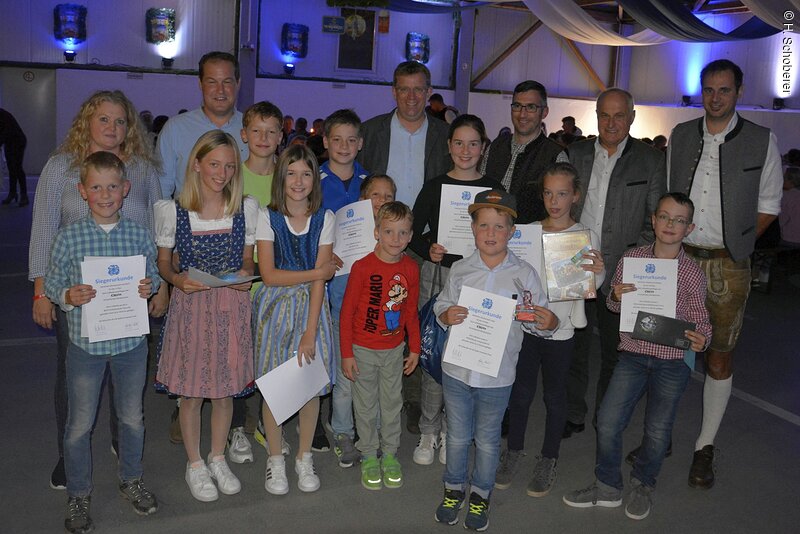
pixel 190 197
pixel 101 161
pixel 292 154
pixel 367 183
pixel 393 211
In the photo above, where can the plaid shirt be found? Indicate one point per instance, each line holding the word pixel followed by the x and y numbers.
pixel 85 238
pixel 690 304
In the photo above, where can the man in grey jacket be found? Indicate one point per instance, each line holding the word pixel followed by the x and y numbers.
pixel 621 180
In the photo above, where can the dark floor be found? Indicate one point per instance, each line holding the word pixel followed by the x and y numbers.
pixel 756 490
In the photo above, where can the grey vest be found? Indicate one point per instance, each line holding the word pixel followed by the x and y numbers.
pixel 741 161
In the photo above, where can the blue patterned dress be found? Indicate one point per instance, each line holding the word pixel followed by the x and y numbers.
pixel 206 347
pixel 280 313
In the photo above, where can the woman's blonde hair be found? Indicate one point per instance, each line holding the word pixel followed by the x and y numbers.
pixel 190 197
pixel 290 155
pixel 135 144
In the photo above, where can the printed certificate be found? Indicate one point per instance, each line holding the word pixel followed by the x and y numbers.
pixel 288 387
pixel 117 311
pixel 455 224
pixel 526 244
pixel 563 257
pixel 656 292
pixel 355 234
pixel 478 343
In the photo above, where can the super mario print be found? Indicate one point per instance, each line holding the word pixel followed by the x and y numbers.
pixel 397 293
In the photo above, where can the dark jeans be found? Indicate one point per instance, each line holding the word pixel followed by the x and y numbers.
pixel 15 153
pixel 60 393
pixel 554 359
pixel 597 314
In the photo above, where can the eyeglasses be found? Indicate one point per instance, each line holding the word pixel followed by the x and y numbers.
pixel 516 107
pixel 676 221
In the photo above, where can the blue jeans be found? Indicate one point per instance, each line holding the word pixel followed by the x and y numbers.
pixel 342 397
pixel 473 413
pixel 664 381
pixel 85 374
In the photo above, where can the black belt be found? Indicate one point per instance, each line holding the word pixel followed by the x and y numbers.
pixel 706 253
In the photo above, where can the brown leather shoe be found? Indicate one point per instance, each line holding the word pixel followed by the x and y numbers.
pixel 701 474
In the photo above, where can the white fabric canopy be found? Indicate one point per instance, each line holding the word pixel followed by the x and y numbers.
pixel 772 12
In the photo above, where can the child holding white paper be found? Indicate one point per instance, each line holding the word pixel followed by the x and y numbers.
pixel 475 402
pixel 560 192
pixel 291 312
pixel 102 233
pixel 466 142
pixel 206 349
pixel 646 367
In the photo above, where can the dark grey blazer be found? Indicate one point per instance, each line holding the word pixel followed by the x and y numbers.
pixel 374 156
pixel 638 180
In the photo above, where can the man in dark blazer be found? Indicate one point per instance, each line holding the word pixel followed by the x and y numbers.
pixel 407 144
pixel 621 180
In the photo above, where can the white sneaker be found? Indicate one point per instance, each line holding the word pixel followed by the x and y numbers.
pixel 275 480
pixel 308 480
pixel 423 454
pixel 226 480
pixel 200 484
pixel 443 448
pixel 239 449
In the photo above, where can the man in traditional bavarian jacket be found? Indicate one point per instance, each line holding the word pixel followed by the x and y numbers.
pixel 731 169
pixel 517 160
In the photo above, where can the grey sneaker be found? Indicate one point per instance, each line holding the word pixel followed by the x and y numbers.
pixel 345 450
pixel 639 501
pixel 509 463
pixel 598 494
pixel 144 502
pixel 544 476
pixel 78 519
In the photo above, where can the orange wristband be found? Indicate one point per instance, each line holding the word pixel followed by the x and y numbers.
pixel 39 297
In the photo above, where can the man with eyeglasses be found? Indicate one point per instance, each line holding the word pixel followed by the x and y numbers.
pixel 517 160
pixel 622 179
pixel 731 169
pixel 407 144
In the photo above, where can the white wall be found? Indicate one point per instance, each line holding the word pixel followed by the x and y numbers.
pixel 116 32
pixel 323 47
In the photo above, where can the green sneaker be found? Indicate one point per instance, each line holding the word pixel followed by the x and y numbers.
pixel 392 472
pixel 371 473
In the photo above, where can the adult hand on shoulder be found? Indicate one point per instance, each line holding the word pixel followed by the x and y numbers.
pixel 44 313
pixel 187 285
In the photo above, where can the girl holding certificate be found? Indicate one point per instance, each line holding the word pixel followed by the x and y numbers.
pixel 560 191
pixel 466 142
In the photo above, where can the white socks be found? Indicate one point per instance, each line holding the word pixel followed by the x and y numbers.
pixel 715 400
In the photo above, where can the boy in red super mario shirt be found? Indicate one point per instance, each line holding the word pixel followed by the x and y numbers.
pixel 379 309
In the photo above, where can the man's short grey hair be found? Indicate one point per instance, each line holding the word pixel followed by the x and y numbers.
pixel 617 90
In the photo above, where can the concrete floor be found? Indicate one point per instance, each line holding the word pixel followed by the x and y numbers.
pixel 756 490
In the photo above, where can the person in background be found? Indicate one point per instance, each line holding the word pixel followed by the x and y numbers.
pixel 440 110
pixel 13 141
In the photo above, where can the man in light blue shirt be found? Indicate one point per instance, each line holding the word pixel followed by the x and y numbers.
pixel 219 83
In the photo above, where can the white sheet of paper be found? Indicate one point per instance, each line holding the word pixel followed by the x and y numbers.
pixel 455 230
pixel 288 387
pixel 474 344
pixel 355 234
pixel 656 289
pixel 228 279
pixel 117 311
pixel 526 243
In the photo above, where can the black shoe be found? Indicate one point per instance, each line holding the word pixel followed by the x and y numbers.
pixel 413 413
pixel 320 442
pixel 78 520
pixel 572 428
pixel 631 458
pixel 478 514
pixel 701 474
pixel 58 479
pixel 23 201
pixel 9 199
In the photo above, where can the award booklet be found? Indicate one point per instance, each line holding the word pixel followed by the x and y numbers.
pixel 563 257
pixel 662 330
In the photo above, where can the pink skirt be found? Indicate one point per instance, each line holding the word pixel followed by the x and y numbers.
pixel 207 344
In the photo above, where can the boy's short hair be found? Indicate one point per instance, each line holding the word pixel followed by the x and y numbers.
pixel 369 180
pixel 497 199
pixel 101 161
pixel 262 110
pixel 393 211
pixel 681 198
pixel 342 116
